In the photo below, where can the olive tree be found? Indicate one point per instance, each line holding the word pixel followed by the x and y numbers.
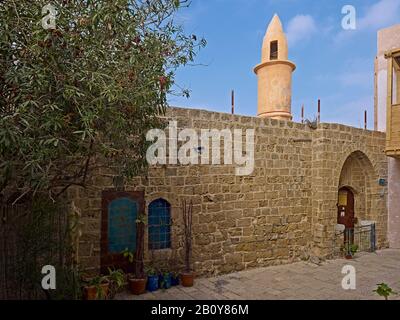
pixel 84 86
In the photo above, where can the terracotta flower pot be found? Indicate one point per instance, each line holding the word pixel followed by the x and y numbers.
pixel 187 279
pixel 349 256
pixel 137 286
pixel 91 292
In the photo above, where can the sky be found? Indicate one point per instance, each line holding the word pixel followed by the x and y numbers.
pixel 333 64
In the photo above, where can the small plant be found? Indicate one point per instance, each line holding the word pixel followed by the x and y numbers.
pixel 384 290
pixel 151 271
pixel 165 280
pixel 100 285
pixel 353 249
pixel 128 255
pixel 153 278
pixel 117 281
pixel 174 278
pixel 141 219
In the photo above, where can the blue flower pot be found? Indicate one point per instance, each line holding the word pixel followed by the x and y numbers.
pixel 152 283
pixel 175 281
pixel 164 281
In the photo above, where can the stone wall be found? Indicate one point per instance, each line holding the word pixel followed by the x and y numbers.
pixel 333 145
pixel 283 212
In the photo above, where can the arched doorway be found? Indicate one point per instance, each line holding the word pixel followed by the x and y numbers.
pixel 346 213
pixel 358 176
pixel 357 195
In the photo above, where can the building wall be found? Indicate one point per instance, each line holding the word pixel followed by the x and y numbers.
pixel 284 212
pixel 394 203
pixel 333 145
pixel 388 39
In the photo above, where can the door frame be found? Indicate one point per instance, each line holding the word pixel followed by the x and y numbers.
pixel 116 260
pixel 351 225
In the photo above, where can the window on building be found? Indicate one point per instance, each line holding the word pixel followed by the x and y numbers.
pixel 396 81
pixel 159 225
pixel 274 50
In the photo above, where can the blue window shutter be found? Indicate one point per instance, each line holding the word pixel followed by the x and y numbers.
pixel 122 215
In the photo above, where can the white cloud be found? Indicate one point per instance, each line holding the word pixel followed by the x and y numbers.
pixel 381 14
pixel 301 27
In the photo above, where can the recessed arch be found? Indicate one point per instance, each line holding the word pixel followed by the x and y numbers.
pixel 359 152
pixel 359 175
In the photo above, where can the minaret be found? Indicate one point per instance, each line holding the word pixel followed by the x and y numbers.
pixel 275 74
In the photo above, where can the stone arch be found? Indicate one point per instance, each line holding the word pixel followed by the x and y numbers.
pixel 359 174
pixel 362 152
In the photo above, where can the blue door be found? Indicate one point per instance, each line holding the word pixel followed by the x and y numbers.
pixel 118 230
pixel 122 214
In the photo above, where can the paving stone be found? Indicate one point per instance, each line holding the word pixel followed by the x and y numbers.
pixel 298 281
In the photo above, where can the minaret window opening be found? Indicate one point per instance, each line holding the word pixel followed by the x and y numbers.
pixel 274 50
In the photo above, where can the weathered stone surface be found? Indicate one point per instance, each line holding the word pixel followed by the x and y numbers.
pixel 284 212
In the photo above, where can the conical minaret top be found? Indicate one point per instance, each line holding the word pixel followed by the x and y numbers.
pixel 275 33
pixel 275 74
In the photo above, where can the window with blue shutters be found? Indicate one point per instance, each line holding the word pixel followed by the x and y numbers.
pixel 122 215
pixel 159 224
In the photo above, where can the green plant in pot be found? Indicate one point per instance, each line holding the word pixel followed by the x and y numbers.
pixel 116 279
pixel 96 288
pixel 137 281
pixel 353 249
pixel 187 277
pixel 152 278
pixel 350 250
pixel 174 278
pixel 164 278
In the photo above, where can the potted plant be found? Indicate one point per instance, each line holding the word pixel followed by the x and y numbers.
pixel 348 254
pixel 164 280
pixel 97 288
pixel 116 279
pixel 187 277
pixel 152 279
pixel 174 278
pixel 353 249
pixel 137 281
pixel 350 250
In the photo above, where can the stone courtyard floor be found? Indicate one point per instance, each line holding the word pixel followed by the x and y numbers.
pixel 298 281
